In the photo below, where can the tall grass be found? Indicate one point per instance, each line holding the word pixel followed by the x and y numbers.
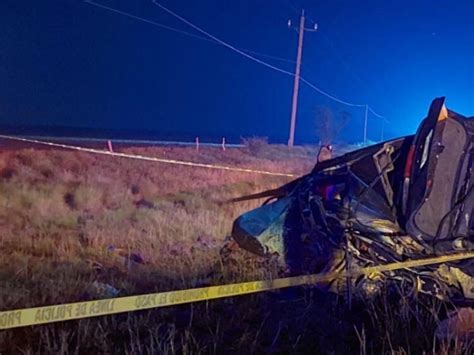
pixel 69 220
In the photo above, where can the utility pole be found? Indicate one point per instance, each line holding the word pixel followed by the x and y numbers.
pixel 294 106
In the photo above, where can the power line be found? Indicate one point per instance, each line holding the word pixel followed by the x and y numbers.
pixel 378 115
pixel 214 39
pixel 182 19
pixel 296 10
pixel 225 44
pixel 146 20
pixel 269 56
pixel 189 23
pixel 297 79
pixel 173 29
pixel 331 45
pixel 329 95
pixel 211 38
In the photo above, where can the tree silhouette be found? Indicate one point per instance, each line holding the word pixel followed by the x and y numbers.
pixel 329 125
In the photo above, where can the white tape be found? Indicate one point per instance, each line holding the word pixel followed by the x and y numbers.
pixel 141 157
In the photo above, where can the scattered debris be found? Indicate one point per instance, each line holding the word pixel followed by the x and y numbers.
pixel 70 200
pixel 129 257
pixel 207 241
pixel 135 189
pixel 98 267
pixel 180 249
pixel 103 290
pixel 142 203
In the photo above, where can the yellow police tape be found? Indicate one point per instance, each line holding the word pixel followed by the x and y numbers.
pixel 70 311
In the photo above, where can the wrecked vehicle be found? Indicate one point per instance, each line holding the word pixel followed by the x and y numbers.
pixel 402 199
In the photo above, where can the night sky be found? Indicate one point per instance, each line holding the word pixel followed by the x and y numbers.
pixel 69 63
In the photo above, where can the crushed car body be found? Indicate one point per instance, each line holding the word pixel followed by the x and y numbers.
pixel 398 200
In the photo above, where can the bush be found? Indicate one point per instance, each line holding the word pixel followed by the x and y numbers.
pixel 255 144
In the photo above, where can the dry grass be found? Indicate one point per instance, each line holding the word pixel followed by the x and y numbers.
pixel 68 219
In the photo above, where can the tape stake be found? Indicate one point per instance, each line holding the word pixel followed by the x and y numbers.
pixel 153 159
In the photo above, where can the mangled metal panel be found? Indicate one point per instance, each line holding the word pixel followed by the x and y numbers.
pixel 384 203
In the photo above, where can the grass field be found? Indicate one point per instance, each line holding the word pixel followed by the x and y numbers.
pixel 72 223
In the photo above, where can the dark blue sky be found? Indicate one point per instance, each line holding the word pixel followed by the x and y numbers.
pixel 69 63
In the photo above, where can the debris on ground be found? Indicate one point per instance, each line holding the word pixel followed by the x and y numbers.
pixel 103 290
pixel 129 256
pixel 207 241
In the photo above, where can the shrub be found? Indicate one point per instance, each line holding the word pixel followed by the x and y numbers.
pixel 255 144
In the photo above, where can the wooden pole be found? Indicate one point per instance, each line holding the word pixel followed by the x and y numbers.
pixel 294 105
pixel 109 146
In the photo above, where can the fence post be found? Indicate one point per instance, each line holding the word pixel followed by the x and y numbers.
pixel 197 143
pixel 223 143
pixel 109 146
